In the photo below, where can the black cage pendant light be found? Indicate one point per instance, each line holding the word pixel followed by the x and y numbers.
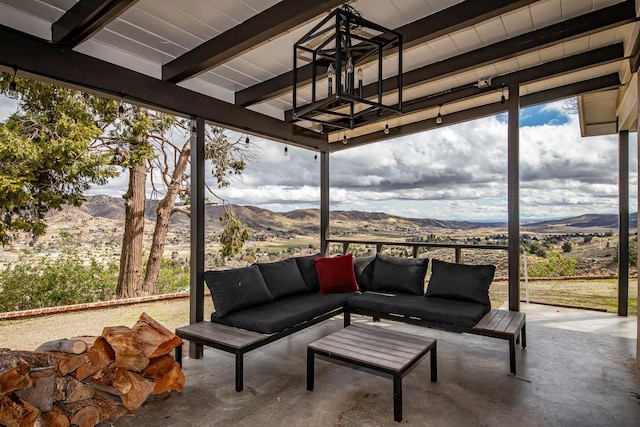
pixel 342 60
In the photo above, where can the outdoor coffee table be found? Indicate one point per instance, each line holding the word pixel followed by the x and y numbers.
pixel 378 349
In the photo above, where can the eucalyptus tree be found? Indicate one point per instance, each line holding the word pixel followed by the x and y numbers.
pixel 61 141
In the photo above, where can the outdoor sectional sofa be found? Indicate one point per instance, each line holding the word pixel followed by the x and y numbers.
pixel 264 302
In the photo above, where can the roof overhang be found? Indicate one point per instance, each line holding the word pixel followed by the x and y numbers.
pixel 231 62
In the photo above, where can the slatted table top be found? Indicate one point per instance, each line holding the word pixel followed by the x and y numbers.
pixel 502 321
pixel 375 346
pixel 220 334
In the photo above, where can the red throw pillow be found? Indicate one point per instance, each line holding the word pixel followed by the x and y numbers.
pixel 336 274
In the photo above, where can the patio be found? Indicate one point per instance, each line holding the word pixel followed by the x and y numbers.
pixel 578 369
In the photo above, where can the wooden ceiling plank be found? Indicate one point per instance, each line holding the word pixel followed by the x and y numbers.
pixel 45 61
pixel 85 18
pixel 428 28
pixel 279 18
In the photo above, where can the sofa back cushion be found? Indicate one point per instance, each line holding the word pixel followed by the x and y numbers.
pixel 395 274
pixel 308 270
pixel 336 274
pixel 283 278
pixel 235 289
pixel 363 269
pixel 460 282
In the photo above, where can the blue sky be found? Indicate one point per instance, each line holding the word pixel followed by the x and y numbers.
pixel 453 172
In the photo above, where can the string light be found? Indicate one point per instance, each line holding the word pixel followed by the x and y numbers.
pixel 121 107
pixel 502 98
pixel 286 151
pixel 12 90
pixel 344 138
pixel 439 116
pixel 315 157
pixel 246 141
pixel 386 128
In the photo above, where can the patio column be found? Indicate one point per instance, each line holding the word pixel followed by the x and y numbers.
pixel 513 195
pixel 623 223
pixel 196 282
pixel 324 201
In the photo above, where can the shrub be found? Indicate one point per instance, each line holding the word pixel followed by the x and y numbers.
pixel 554 266
pixel 567 247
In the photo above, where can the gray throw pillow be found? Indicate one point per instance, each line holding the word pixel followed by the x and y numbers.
pixel 308 270
pixel 235 289
pixel 283 278
pixel 460 282
pixel 363 269
pixel 395 274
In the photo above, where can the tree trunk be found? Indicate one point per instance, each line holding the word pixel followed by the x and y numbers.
pixel 164 211
pixel 130 278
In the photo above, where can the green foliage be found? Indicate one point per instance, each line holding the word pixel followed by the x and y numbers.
pixel 554 266
pixel 234 235
pixel 534 248
pixel 70 278
pixel 567 247
pixel 174 277
pixel 45 157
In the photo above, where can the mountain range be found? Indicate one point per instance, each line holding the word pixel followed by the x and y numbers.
pixel 308 220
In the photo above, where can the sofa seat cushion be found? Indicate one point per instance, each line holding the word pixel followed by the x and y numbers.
pixel 430 309
pixel 284 313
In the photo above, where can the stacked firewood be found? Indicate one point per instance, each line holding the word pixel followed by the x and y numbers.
pixel 86 381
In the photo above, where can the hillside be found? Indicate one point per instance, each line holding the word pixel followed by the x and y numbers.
pixel 308 220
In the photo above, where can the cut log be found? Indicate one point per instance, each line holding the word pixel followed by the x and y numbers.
pixel 10 359
pixel 68 363
pixel 16 413
pixel 114 380
pixel 154 339
pixel 83 414
pixel 100 354
pixel 64 346
pixel 141 388
pixel 15 378
pixel 54 418
pixel 110 407
pixel 70 390
pixel 123 342
pixel 40 392
pixel 167 373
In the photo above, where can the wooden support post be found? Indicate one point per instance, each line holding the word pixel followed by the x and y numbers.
pixel 196 295
pixel 324 201
pixel 458 255
pixel 513 195
pixel 623 223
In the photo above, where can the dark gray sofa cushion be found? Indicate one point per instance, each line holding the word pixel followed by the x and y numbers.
pixel 284 313
pixel 363 269
pixel 283 278
pixel 435 310
pixel 395 274
pixel 308 270
pixel 236 289
pixel 460 282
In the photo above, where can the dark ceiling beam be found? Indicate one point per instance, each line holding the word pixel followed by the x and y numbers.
pixel 277 19
pixel 85 18
pixel 580 26
pixel 610 81
pixel 592 58
pixel 460 16
pixel 45 61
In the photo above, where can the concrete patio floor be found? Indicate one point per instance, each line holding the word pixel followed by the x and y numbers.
pixel 578 370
